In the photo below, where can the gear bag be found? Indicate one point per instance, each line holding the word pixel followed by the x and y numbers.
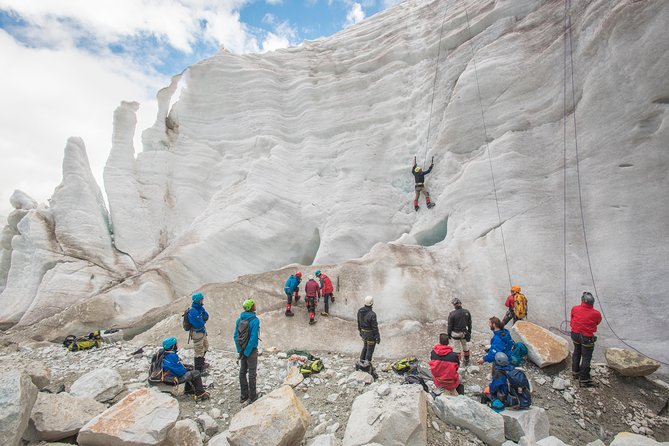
pixel 520 306
pixel 244 334
pixel 311 367
pixel 518 354
pixel 185 322
pixel 73 343
pixel 519 396
pixel 404 365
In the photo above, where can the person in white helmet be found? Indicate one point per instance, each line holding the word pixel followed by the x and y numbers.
pixel 369 330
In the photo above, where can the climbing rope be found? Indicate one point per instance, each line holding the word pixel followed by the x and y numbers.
pixel 485 131
pixel 568 39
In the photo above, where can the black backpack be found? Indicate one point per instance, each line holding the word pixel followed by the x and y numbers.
pixel 185 322
pixel 156 367
pixel 243 334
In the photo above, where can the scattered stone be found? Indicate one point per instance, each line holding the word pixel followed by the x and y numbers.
pixel 568 397
pixel 473 369
pixel 100 384
pixel 464 412
pixel 144 417
pixel 215 412
pixel 209 425
pixel 559 383
pixel 540 381
pixel 532 423
pixel 543 347
pixel 17 397
pixel 294 377
pixel 435 426
pixel 219 440
pixel 630 363
pixel 383 389
pixel 551 441
pixel 597 442
pixel 276 419
pixel 332 398
pixel 58 416
pixel 399 418
pixel 629 439
pixel 320 428
pixel 324 440
pixel 184 433
pixel 334 428
pixel 281 355
pixel 581 422
pixel 360 378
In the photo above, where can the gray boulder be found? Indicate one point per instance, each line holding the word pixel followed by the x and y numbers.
pixel 324 440
pixel 630 439
pixel 462 411
pixel 185 433
pixel 17 397
pixel 219 440
pixel 532 423
pixel 100 384
pixel 551 441
pixel 58 416
pixel 630 363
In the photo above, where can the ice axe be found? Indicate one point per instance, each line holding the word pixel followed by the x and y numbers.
pixel 140 350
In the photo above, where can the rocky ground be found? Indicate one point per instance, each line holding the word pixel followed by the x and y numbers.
pixel 577 416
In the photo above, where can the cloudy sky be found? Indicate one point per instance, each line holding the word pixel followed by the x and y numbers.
pixel 67 64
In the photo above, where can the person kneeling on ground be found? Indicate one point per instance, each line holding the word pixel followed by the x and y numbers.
pixel 175 371
pixel 509 387
pixel 444 363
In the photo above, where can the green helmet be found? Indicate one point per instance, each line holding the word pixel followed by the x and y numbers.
pixel 317 273
pixel 248 304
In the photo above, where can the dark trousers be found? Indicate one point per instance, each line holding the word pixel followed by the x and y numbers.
pixel 311 305
pixel 584 346
pixel 249 364
pixel 508 316
pixel 289 298
pixel 367 352
pixel 193 379
pixel 326 302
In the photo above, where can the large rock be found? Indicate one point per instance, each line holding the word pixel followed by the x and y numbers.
pixel 219 440
pixel 532 424
pixel 397 418
pixel 324 440
pixel 630 439
pixel 143 418
pixel 630 363
pixel 100 384
pixel 293 378
pixel 185 433
pixel 480 419
pixel 551 441
pixel 58 416
pixel 39 373
pixel 278 419
pixel 543 347
pixel 17 397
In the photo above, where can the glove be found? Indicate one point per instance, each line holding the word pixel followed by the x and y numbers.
pixel 468 337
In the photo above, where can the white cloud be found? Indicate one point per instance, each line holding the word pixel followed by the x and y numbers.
pixel 355 15
pixel 284 35
pixel 274 2
pixel 268 18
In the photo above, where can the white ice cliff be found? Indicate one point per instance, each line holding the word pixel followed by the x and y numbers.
pixel 303 156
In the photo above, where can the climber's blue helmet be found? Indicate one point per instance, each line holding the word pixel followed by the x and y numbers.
pixel 169 343
pixel 317 273
pixel 497 405
pixel 197 297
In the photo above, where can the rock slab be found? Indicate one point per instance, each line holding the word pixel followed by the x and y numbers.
pixel 543 347
pixel 293 378
pixel 17 397
pixel 630 439
pixel 630 363
pixel 278 419
pixel 142 418
pixel 184 433
pixel 532 423
pixel 100 384
pixel 396 418
pixel 324 440
pixel 61 415
pixel 463 411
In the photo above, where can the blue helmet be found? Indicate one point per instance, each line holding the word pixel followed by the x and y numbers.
pixel 169 343
pixel 497 405
pixel 197 297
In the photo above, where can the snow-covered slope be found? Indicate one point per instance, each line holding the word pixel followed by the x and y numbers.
pixel 303 156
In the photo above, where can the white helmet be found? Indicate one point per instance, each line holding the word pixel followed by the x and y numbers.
pixel 311 277
pixel 369 301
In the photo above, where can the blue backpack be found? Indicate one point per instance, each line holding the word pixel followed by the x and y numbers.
pixel 519 396
pixel 518 354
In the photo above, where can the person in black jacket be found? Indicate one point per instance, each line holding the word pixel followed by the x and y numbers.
pixel 460 329
pixel 419 177
pixel 369 330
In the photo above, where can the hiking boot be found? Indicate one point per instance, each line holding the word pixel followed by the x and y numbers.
pixel 259 395
pixel 201 397
pixel 297 298
pixel 289 313
pixel 466 361
pixel 575 375
pixel 416 208
pixel 243 399
pixel 312 321
pixel 590 383
pixel 323 313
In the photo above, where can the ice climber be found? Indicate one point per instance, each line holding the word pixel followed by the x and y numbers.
pixel 326 291
pixel 444 364
pixel 501 341
pixel 312 293
pixel 174 370
pixel 460 330
pixel 369 332
pixel 247 330
pixel 419 177
pixel 198 317
pixel 584 322
pixel 292 287
pixel 516 304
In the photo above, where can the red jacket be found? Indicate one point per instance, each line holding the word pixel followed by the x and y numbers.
pixel 312 289
pixel 509 301
pixel 326 286
pixel 444 366
pixel 584 319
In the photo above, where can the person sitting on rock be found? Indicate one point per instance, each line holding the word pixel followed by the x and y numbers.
pixel 509 387
pixel 175 371
pixel 292 286
pixel 460 329
pixel 312 293
pixel 513 307
pixel 326 290
pixel 198 317
pixel 584 322
pixel 247 330
pixel 368 328
pixel 419 178
pixel 444 364
pixel 501 341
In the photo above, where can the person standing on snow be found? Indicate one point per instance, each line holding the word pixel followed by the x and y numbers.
pixel 326 290
pixel 584 322
pixel 516 305
pixel 419 177
pixel 292 286
pixel 444 364
pixel 198 317
pixel 460 329
pixel 312 292
pixel 247 330
pixel 369 330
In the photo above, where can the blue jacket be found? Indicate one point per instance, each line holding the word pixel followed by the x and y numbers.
pixel 198 317
pixel 501 342
pixel 290 285
pixel 172 365
pixel 499 383
pixel 254 330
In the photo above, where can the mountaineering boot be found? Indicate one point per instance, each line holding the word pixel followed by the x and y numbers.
pixel 323 313
pixel 205 364
pixel 254 399
pixel 200 393
pixel 430 205
pixel 288 312
pixel 297 298
pixel 415 205
pixel 466 359
pixel 589 383
pixel 199 366
pixel 312 321
pixel 189 389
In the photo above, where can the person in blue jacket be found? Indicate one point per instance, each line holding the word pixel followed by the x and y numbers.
pixel 501 341
pixel 496 394
pixel 292 286
pixel 175 371
pixel 198 317
pixel 247 330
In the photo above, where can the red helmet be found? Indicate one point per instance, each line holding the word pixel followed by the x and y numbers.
pixel 298 274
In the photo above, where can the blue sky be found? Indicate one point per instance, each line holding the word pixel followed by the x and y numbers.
pixel 67 64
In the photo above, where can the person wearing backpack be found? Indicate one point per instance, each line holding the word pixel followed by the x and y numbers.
pixel 292 287
pixel 198 317
pixel 444 364
pixel 175 372
pixel 312 291
pixel 516 304
pixel 368 328
pixel 501 341
pixel 460 329
pixel 509 385
pixel 584 322
pixel 326 290
pixel 247 330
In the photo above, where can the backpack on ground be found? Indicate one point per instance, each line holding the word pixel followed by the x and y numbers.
pixel 518 354
pixel 156 367
pixel 519 396
pixel 520 305
pixel 311 367
pixel 185 322
pixel 404 365
pixel 244 333
pixel 74 344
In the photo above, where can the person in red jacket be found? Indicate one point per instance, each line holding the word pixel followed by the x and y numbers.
pixel 584 322
pixel 326 289
pixel 312 292
pixel 444 363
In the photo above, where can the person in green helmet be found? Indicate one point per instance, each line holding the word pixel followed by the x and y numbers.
pixel 247 330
